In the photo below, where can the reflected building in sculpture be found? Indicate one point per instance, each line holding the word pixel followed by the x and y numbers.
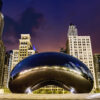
pixel 80 47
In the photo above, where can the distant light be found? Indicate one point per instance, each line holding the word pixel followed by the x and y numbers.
pixel 28 90
pixel 72 90
pixel 34 48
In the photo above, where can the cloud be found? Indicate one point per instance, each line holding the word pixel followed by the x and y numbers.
pixel 29 22
pixel 10 33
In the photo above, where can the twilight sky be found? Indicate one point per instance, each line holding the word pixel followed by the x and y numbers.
pixel 47 22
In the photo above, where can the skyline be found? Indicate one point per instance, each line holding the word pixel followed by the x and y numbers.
pixel 47 22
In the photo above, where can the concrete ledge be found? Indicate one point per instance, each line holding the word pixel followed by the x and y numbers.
pixel 49 96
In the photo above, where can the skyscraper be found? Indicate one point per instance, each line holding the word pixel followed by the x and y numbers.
pixel 25 49
pixel 97 69
pixel 5 79
pixel 80 47
pixel 10 53
pixel 2 60
pixel 2 48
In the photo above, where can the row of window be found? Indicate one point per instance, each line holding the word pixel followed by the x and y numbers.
pixel 76 39
pixel 23 43
pixel 22 54
pixel 24 38
pixel 79 47
pixel 79 44
pixel 15 60
pixel 79 41
pixel 80 50
pixel 23 49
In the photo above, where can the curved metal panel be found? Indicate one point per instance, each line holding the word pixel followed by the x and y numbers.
pixel 51 68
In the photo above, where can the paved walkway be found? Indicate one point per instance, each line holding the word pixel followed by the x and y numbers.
pixel 49 96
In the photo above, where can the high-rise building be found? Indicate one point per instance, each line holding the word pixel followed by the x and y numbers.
pixel 97 69
pixel 25 49
pixel 72 30
pixel 80 47
pixel 2 60
pixel 2 51
pixel 14 59
pixel 7 56
pixel 10 53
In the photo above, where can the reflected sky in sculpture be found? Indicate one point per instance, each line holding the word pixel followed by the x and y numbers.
pixel 51 68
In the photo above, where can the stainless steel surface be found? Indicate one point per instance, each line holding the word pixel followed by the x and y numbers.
pixel 51 68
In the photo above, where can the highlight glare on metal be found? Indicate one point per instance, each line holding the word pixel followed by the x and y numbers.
pixel 72 90
pixel 28 90
pixel 50 68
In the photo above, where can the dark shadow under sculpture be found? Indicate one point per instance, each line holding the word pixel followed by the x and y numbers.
pixel 50 68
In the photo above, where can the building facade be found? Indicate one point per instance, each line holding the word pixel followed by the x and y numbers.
pixel 80 47
pixel 2 51
pixel 25 50
pixel 9 60
pixel 97 69
pixel 6 71
pixel 14 60
pixel 2 60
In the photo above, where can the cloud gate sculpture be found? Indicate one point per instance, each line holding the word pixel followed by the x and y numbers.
pixel 51 68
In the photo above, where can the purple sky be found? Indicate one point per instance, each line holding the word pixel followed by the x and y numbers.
pixel 47 22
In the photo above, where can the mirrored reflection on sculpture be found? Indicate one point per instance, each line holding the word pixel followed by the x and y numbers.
pixel 51 68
